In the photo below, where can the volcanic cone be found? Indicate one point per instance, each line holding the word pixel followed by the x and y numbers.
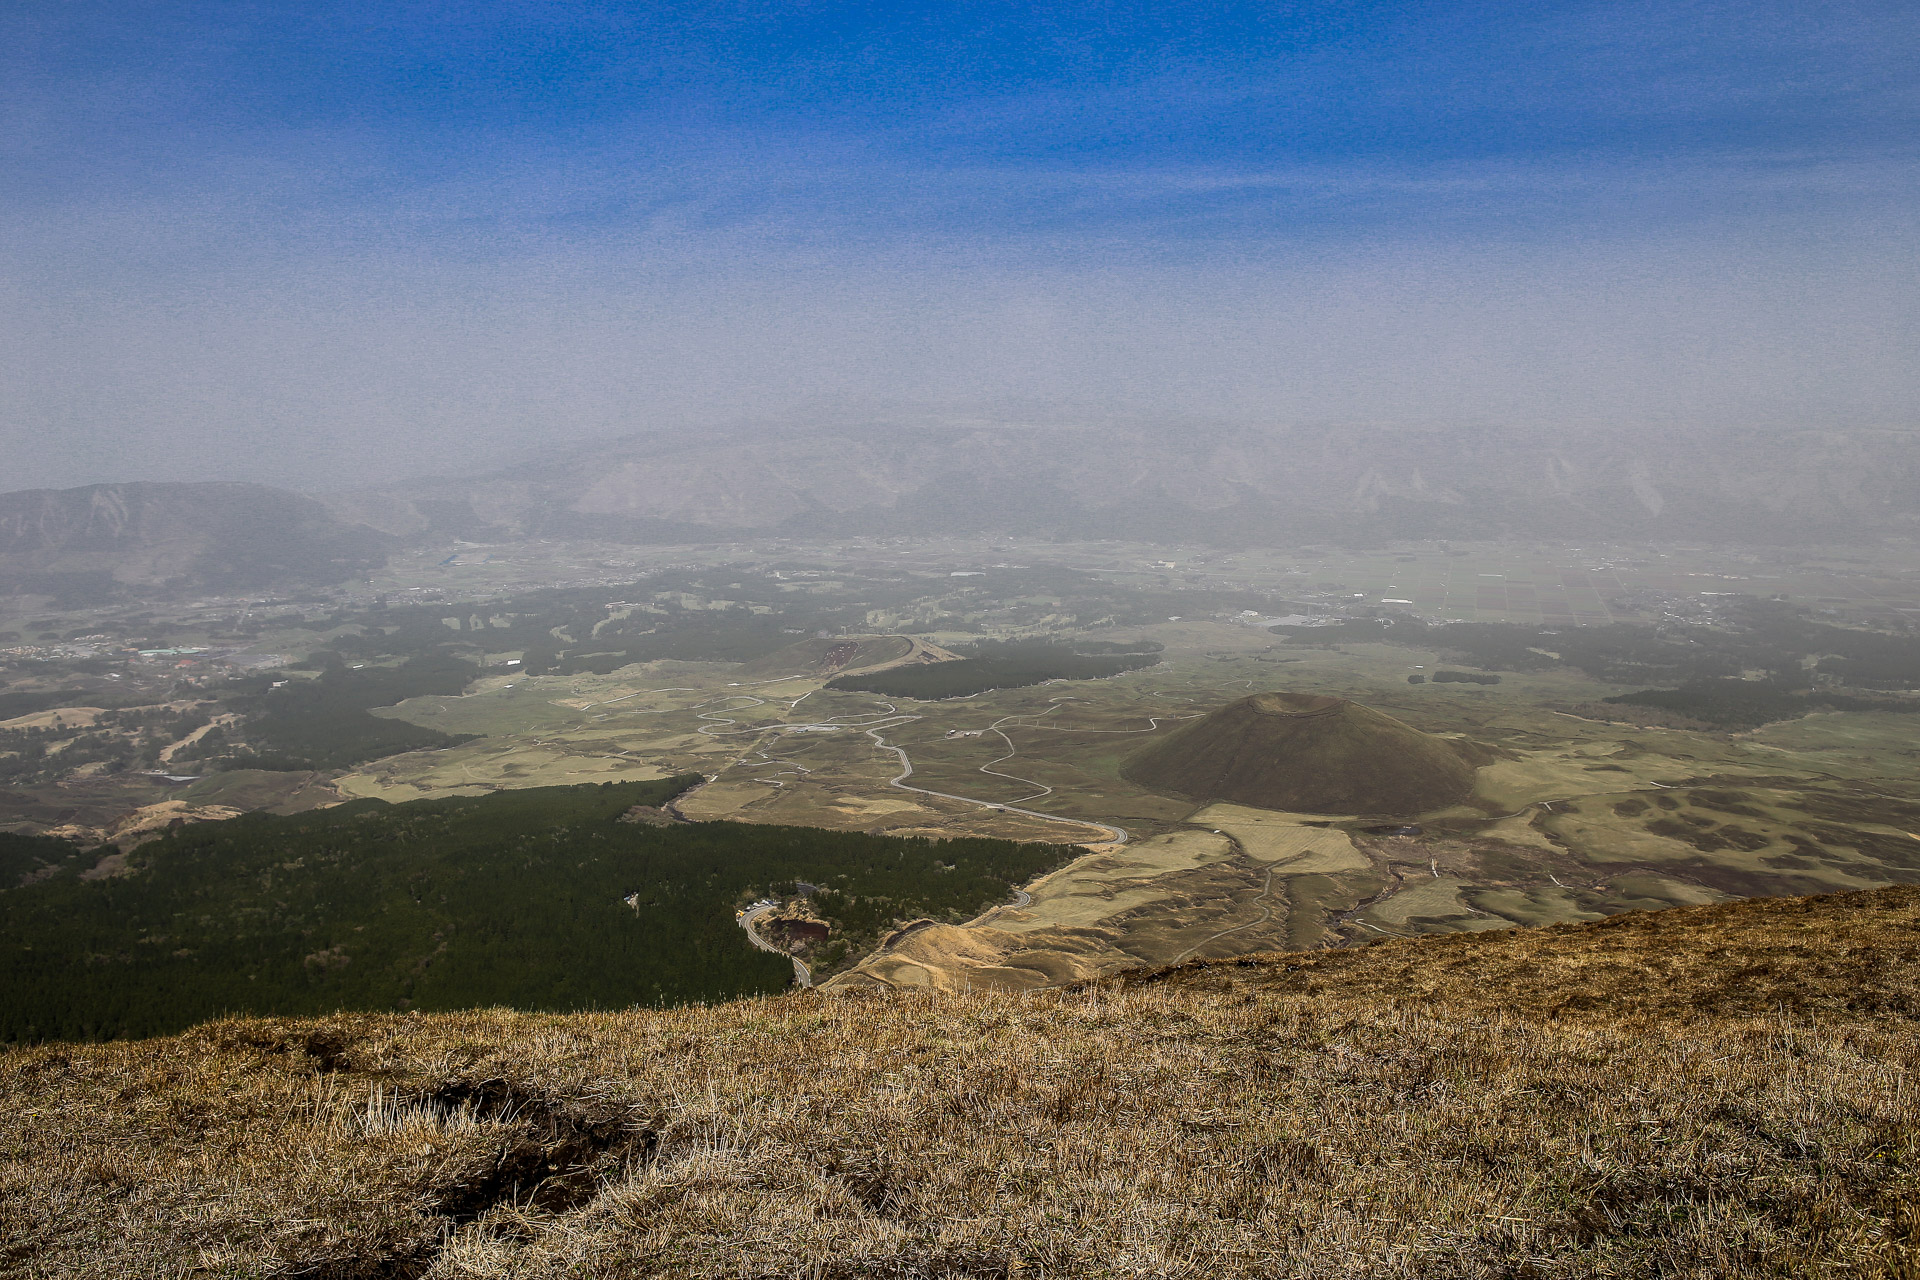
pixel 1308 753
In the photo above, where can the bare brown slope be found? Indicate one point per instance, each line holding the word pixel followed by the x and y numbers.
pixel 1850 956
pixel 1712 1091
pixel 1306 753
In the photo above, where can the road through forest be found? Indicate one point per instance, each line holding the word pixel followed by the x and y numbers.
pixel 802 975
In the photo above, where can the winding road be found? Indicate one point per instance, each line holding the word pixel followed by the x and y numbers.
pixel 721 726
pixel 1266 912
pixel 1113 834
pixel 802 975
pixel 720 723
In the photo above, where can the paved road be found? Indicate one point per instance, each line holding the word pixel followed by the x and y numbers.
pixel 1116 835
pixel 1153 723
pixel 801 974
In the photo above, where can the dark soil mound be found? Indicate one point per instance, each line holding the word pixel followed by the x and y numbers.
pixel 1308 754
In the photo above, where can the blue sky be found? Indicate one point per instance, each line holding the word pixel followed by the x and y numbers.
pixel 269 240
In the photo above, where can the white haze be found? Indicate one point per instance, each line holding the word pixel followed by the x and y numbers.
pixel 163 344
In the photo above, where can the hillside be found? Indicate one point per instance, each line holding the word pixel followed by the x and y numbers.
pixel 1707 1091
pixel 79 544
pixel 1307 753
pixel 1176 482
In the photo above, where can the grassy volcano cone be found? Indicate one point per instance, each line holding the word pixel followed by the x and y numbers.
pixel 1307 753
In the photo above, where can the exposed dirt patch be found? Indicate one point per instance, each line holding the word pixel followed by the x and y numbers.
pixel 564 1151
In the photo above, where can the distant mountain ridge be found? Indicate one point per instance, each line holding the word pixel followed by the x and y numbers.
pixel 1207 484
pixel 1181 483
pixel 82 543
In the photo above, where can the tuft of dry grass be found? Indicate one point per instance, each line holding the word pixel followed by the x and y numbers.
pixel 1714 1091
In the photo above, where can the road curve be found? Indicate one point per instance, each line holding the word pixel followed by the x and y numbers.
pixel 1266 914
pixel 1115 835
pixel 802 975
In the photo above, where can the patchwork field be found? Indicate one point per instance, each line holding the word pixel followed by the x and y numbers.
pixel 1574 814
pixel 1574 819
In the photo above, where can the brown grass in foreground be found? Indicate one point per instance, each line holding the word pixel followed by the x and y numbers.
pixel 1716 1091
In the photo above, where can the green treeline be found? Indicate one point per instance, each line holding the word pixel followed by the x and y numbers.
pixel 17 702
pixel 736 614
pixel 324 723
pixel 23 856
pixel 517 898
pixel 1620 653
pixel 42 754
pixel 1011 664
pixel 1747 704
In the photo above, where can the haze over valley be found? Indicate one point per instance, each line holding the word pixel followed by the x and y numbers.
pixel 1179 482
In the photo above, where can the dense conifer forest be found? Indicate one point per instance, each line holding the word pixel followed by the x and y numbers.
pixel 538 899
pixel 26 857
pixel 324 723
pixel 1012 664
pixel 1735 705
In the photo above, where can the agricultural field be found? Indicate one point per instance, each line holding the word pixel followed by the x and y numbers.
pixel 723 661
pixel 1549 834
pixel 1559 586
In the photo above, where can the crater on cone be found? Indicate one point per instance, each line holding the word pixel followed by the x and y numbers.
pixel 1309 753
pixel 1297 704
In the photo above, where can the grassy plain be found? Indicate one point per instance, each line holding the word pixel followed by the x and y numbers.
pixel 1544 838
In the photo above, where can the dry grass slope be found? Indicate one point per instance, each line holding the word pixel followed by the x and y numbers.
pixel 1306 753
pixel 1713 1091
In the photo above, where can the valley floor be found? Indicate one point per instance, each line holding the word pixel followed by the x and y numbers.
pixel 1722 1090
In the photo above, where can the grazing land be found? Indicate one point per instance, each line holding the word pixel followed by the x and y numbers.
pixel 1718 1090
pixel 1709 724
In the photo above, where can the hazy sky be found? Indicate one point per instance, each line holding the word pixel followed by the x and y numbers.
pixel 319 243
